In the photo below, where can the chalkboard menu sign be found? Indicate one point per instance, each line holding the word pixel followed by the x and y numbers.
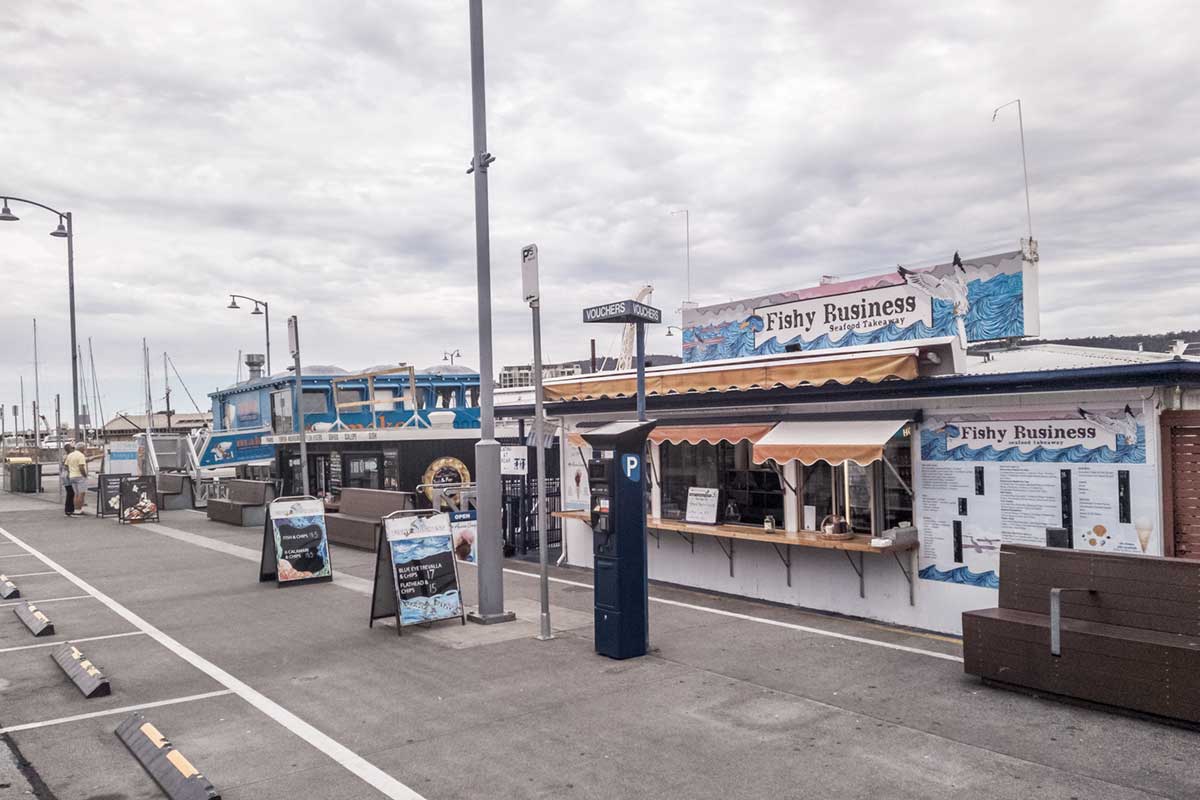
pixel 702 505
pixel 416 574
pixel 295 544
pixel 108 489
pixel 138 499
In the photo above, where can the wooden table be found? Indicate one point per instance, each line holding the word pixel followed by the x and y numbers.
pixel 780 541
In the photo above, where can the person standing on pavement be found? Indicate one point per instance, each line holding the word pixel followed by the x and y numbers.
pixel 76 464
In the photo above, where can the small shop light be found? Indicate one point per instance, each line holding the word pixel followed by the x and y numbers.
pixel 61 231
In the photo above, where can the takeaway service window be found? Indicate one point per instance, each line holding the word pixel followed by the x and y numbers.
pixel 871 498
pixel 749 492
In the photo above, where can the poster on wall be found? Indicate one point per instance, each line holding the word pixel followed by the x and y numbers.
pixel 702 505
pixel 575 493
pixel 973 299
pixel 295 543
pixel 416 574
pixel 108 492
pixel 990 479
pixel 138 499
pixel 514 460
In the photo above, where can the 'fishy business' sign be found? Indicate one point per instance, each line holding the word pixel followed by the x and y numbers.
pixel 236 447
pixel 838 315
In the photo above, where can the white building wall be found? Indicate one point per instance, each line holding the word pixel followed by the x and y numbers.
pixel 823 580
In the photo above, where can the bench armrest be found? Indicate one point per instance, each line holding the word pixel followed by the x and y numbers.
pixel 1056 617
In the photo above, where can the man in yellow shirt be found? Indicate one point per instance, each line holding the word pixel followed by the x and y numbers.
pixel 76 468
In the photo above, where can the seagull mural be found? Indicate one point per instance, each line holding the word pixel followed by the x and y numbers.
pixel 1123 426
pixel 952 289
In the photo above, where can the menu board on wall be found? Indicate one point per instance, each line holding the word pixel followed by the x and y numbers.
pixel 988 479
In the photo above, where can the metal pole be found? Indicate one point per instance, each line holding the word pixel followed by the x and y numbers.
pixel 487 450
pixel 74 345
pixel 640 328
pixel 267 322
pixel 298 401
pixel 58 432
pixel 1025 169
pixel 539 444
pixel 37 404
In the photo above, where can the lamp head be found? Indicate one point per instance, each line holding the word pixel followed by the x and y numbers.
pixel 257 310
pixel 61 231
pixel 232 302
pixel 6 215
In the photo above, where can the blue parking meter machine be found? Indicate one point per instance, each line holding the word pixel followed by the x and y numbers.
pixel 617 480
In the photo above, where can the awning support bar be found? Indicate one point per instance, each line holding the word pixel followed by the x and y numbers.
pixel 787 562
pixel 858 568
pixel 892 467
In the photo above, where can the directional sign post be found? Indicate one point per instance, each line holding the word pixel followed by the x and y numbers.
pixel 639 315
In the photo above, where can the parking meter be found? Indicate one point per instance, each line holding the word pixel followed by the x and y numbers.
pixel 617 479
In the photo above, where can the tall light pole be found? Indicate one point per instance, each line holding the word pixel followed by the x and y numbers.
pixel 1024 166
pixel 687 247
pixel 265 310
pixel 450 355
pixel 487 450
pixel 298 398
pixel 65 230
pixel 533 296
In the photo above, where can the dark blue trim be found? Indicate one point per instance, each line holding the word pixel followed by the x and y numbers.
pixel 1163 373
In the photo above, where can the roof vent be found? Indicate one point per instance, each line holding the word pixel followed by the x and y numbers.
pixel 254 363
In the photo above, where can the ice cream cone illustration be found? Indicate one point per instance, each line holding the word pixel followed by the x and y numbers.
pixel 1144 528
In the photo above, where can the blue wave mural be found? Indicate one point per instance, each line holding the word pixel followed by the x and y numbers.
pixel 997 310
pixel 934 447
pixel 962 575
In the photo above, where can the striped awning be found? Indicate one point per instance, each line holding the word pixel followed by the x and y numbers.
pixel 711 434
pixel 836 441
pixel 815 371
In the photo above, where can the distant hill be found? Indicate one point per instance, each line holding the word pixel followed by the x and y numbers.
pixel 1150 342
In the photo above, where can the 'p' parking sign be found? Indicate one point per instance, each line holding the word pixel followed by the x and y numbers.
pixel 631 465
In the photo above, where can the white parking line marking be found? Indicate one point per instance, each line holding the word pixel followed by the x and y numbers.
pixel 354 584
pixel 30 574
pixel 765 621
pixel 48 599
pixel 28 726
pixel 72 641
pixel 354 763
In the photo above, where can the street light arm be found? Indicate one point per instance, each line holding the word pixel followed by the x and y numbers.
pixel 251 299
pixel 35 203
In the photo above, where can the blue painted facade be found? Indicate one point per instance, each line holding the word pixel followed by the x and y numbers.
pixel 267 404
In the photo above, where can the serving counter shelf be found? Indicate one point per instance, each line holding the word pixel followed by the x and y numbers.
pixel 726 536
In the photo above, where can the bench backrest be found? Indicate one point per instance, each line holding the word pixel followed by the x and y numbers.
pixel 374 502
pixel 255 492
pixel 1158 594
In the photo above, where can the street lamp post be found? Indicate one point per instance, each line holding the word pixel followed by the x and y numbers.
pixel 265 310
pixel 63 231
pixel 450 355
pixel 487 451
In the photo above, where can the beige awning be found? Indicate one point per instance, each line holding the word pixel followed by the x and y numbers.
pixel 695 434
pixel 836 441
pixel 734 377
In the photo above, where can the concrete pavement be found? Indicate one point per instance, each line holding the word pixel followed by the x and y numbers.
pixel 288 693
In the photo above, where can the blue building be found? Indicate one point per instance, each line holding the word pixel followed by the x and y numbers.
pixel 381 428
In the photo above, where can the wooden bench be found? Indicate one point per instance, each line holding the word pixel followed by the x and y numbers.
pixel 357 521
pixel 174 491
pixel 1122 630
pixel 245 504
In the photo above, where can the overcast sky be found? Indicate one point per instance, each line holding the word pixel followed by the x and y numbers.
pixel 314 154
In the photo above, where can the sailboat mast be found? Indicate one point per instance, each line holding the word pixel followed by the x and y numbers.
pixel 96 387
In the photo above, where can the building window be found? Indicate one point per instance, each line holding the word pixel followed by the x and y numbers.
pixel 385 399
pixel 315 401
pixel 281 412
pixel 749 492
pixel 350 396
